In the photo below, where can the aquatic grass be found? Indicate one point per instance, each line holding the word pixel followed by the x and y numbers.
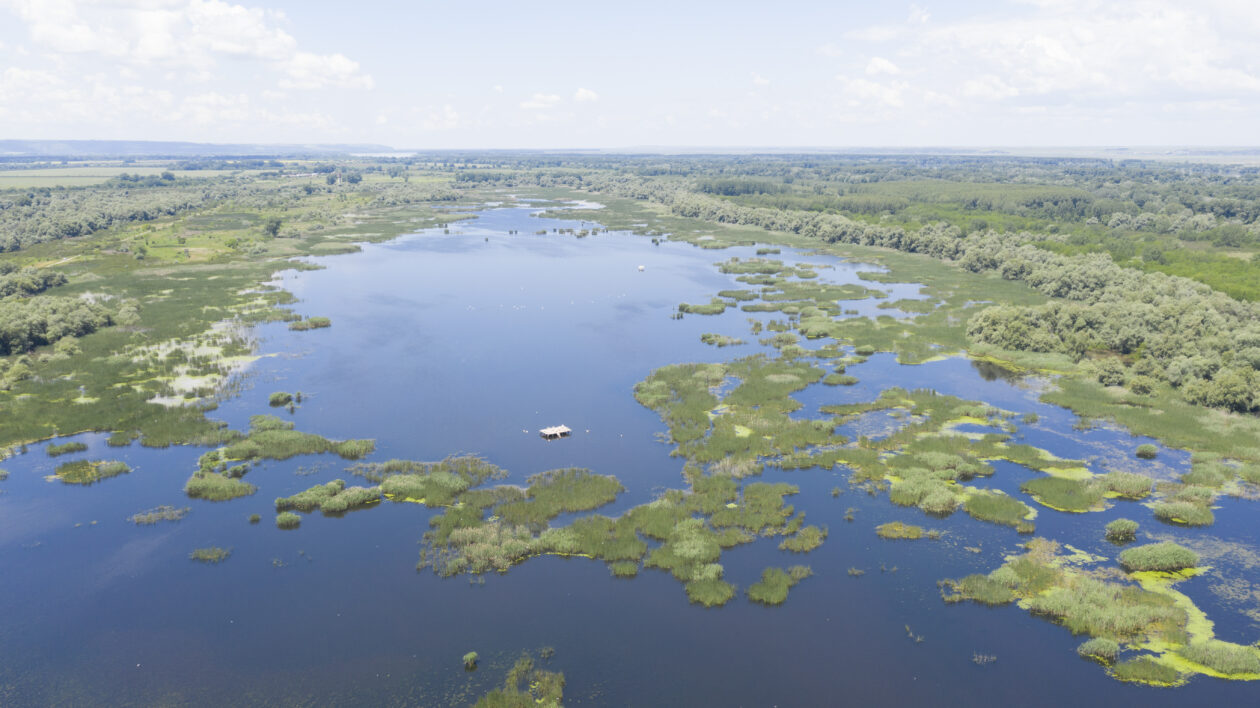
pixel 1146 451
pixel 836 379
pixel 1121 531
pixel 470 660
pixel 212 555
pixel 710 592
pixel 1144 670
pixel 775 583
pixel 720 340
pixel 65 448
pixel 1099 649
pixel 331 498
pixel 288 520
pixel 898 530
pixel 279 398
pixel 1165 556
pixel 88 472
pixel 1223 657
pixel 157 514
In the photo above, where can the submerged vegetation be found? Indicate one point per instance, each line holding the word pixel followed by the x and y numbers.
pixel 158 514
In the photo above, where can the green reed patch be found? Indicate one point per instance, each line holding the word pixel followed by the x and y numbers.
pixel 1121 531
pixel 159 514
pixel 65 448
pixel 331 498
pixel 1000 509
pixel 1164 556
pixel 557 491
pixel 212 555
pixel 775 583
pixel 898 530
pixel 526 686
pixel 805 540
pixel 1099 649
pixel 720 340
pixel 1145 670
pixel 288 520
pixel 310 323
pixel 1183 513
pixel 87 472
pixel 1064 494
pixel 1223 657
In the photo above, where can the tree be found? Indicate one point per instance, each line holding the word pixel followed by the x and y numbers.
pixel 271 227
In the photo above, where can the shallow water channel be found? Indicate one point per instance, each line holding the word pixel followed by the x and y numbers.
pixel 470 341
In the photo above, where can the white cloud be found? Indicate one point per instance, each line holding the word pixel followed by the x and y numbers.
pixel 760 80
pixel 540 102
pixel 880 65
pixel 194 35
pixel 583 95
pixel 305 70
pixel 864 92
pixel 443 118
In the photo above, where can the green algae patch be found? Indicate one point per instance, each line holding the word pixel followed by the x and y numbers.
pixel 898 530
pixel 86 472
pixel 773 587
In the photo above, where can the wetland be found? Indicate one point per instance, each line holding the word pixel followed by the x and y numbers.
pixel 783 460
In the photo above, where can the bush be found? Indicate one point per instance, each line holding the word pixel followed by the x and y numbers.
pixel 1165 556
pixel 1121 531
pixel 1147 451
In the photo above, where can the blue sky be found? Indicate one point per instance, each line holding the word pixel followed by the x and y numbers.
pixel 597 75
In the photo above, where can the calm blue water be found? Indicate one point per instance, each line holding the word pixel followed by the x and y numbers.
pixel 470 342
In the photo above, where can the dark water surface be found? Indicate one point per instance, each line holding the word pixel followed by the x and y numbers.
pixel 470 342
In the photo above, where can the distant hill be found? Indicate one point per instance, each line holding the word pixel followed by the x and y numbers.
pixel 151 149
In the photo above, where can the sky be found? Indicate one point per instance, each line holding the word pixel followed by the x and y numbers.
pixel 473 74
